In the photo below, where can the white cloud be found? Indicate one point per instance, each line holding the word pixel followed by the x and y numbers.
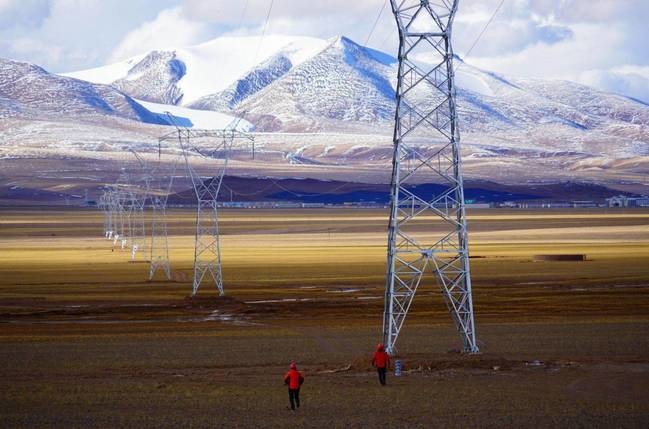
pixel 170 29
pixel 32 47
pixel 66 35
pixel 227 11
pixel 15 13
pixel 590 41
pixel 629 80
pixel 586 50
pixel 6 5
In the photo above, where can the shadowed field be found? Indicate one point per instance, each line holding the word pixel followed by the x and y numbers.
pixel 87 341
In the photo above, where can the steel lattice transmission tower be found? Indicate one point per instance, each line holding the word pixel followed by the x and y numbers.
pixel 135 202
pixel 427 230
pixel 207 253
pixel 161 186
pixel 105 207
pixel 117 201
pixel 137 195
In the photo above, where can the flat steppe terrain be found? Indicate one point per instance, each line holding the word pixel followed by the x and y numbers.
pixel 87 341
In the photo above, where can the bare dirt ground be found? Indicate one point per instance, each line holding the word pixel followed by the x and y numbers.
pixel 87 341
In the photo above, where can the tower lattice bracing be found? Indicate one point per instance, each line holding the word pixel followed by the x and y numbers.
pixel 427 229
pixel 117 200
pixel 159 191
pixel 137 195
pixel 136 202
pixel 159 238
pixel 207 253
pixel 104 206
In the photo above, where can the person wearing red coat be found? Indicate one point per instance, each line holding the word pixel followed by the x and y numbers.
pixel 381 361
pixel 293 379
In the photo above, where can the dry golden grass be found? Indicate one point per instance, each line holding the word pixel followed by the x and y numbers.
pixel 87 341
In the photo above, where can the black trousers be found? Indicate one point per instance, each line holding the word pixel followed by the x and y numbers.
pixel 294 398
pixel 381 372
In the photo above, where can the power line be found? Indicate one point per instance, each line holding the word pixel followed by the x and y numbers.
pixel 375 23
pixel 275 183
pixel 484 29
pixel 248 194
pixel 330 191
pixel 245 7
pixel 263 32
pixel 389 36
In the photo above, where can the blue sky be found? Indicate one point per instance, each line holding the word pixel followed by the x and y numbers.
pixel 602 43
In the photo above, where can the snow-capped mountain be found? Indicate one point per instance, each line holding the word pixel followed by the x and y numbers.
pixel 190 73
pixel 148 82
pixel 323 103
pixel 344 83
pixel 29 92
pixel 306 84
pixel 29 88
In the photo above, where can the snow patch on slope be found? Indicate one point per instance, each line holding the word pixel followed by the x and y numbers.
pixel 106 74
pixel 192 118
pixel 213 66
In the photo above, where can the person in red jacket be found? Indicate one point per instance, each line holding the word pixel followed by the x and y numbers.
pixel 293 379
pixel 381 361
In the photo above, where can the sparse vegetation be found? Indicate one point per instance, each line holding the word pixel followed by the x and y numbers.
pixel 86 341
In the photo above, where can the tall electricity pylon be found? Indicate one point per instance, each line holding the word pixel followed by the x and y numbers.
pixel 161 185
pixel 110 213
pixel 159 238
pixel 104 206
pixel 137 195
pixel 117 201
pixel 207 254
pixel 427 148
pixel 135 201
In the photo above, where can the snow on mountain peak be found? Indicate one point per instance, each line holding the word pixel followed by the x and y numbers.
pixel 106 74
pixel 208 67
pixel 215 65
pixel 310 84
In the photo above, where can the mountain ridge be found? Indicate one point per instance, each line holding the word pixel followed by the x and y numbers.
pixel 324 105
pixel 271 88
pixel 32 87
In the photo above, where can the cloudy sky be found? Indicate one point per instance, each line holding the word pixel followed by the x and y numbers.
pixel 603 43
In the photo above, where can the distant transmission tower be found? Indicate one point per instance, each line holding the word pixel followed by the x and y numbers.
pixel 110 214
pixel 105 208
pixel 137 197
pixel 207 254
pixel 134 202
pixel 427 148
pixel 116 201
pixel 161 186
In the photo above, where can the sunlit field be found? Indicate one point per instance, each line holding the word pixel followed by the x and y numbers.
pixel 86 340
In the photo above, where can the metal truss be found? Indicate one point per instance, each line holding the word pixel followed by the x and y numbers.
pixel 427 229
pixel 207 254
pixel 106 208
pixel 123 206
pixel 159 238
pixel 160 189
pixel 117 200
pixel 137 195
pixel 135 201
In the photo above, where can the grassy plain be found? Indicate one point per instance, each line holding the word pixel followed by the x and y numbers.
pixel 87 341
